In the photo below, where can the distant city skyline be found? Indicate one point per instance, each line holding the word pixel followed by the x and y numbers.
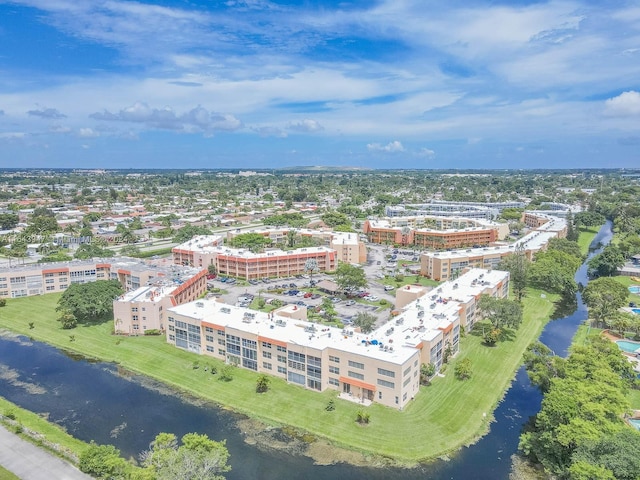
pixel 259 84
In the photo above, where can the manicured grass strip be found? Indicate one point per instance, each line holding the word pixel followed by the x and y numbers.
pixel 52 433
pixel 443 417
pixel 7 475
pixel 587 234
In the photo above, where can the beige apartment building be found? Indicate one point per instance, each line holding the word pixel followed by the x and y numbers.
pixel 382 366
pixel 144 308
pixel 205 250
pixel 349 248
pixel 446 265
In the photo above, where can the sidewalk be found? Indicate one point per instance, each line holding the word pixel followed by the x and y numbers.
pixel 32 463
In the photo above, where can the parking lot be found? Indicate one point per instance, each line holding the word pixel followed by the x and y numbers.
pixel 298 290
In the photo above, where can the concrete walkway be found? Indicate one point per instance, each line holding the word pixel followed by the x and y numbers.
pixel 29 462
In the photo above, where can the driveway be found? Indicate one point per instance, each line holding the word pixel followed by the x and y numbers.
pixel 29 462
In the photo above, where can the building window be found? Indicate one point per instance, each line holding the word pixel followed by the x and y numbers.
pixel 334 381
pixel 209 338
pixel 172 338
pixel 334 359
pixel 134 318
pixel 134 309
pixel 266 354
pixel 359 376
pixel 171 328
pixel 266 345
pixel 282 370
pixel 282 349
pixel 384 383
pixel 379 395
pixel 208 329
pixel 171 319
pixel 267 365
pixel 210 349
pixel 386 373
pixel 406 382
pixel 333 369
pixel 356 364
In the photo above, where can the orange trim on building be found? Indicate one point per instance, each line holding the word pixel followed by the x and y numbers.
pixel 357 383
pixel 212 325
pixel 103 265
pixel 272 341
pixel 446 329
pixel 123 272
pixel 56 270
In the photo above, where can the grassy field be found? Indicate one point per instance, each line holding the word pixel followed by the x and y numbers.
pixel 7 475
pixel 444 416
pixel 51 433
pixel 586 237
pixel 627 282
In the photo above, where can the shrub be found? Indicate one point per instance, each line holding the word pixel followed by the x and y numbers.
pixel 153 331
pixel 3 302
pixel 226 373
pixel 362 417
pixel 463 369
pixel 331 406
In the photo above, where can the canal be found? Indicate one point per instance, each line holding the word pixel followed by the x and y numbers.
pixel 95 401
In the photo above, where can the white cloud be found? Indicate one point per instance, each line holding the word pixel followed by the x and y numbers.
pixel 626 104
pixel 87 133
pixel 59 129
pixel 268 131
pixel 198 118
pixel 392 147
pixel 47 113
pixel 306 125
pixel 426 152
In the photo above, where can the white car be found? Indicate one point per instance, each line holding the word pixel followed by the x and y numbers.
pixel 372 298
pixel 388 288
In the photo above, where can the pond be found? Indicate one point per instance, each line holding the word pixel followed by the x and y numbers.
pixel 96 401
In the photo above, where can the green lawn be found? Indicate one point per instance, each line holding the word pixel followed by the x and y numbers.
pixel 627 282
pixel 7 475
pixel 52 433
pixel 443 416
pixel 587 235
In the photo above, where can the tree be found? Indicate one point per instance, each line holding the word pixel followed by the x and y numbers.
pixel 68 320
pixel 333 219
pixel 427 371
pixel 350 277
pixel 565 245
pixel 606 263
pixel 501 312
pixel 8 221
pixel 618 453
pixel 604 296
pixel 365 321
pixel 197 458
pixel 554 271
pixel 542 365
pixel 251 241
pixel 329 309
pixel 90 301
pixel 311 266
pixel 517 265
pixel 463 369
pixel 589 219
pixel 583 405
pixel 262 384
pixel 188 232
pixel 92 250
pixel 103 461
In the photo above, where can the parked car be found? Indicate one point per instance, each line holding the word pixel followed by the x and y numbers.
pixel 336 299
pixel 372 298
pixel 348 303
pixel 292 285
pixel 308 295
pixel 632 304
pixel 223 279
pixel 315 296
pixel 388 288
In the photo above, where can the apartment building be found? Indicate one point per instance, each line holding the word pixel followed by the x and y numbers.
pixel 347 245
pixel 446 265
pixel 406 231
pixel 144 308
pixel 382 366
pixel 203 251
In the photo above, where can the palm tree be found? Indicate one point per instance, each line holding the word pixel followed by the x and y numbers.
pixel 311 265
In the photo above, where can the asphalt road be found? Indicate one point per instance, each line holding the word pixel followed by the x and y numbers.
pixel 29 462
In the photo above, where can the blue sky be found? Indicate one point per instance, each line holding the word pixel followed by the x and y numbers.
pixel 265 84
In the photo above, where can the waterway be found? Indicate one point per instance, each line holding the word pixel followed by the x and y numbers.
pixel 95 401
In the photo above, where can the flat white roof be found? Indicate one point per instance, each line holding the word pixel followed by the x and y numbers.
pixel 395 341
